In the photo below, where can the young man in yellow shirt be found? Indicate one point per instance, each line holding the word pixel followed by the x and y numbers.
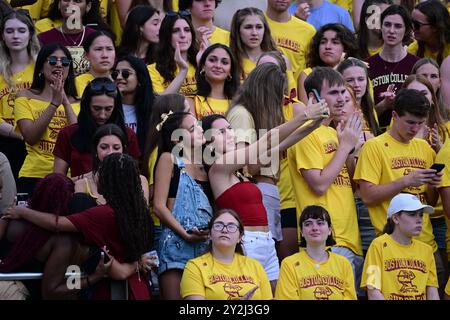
pixel 397 162
pixel 291 34
pixel 321 166
pixel 202 14
pixel 397 266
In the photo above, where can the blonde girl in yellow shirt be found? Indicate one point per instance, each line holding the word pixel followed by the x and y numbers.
pixel 249 37
pixel 176 56
pixel 18 49
pixel 316 273
pixel 217 82
pixel 42 110
pixel 225 273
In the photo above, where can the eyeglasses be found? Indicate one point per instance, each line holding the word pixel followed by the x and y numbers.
pixel 125 73
pixel 103 87
pixel 219 226
pixel 417 24
pixel 52 60
pixel 179 13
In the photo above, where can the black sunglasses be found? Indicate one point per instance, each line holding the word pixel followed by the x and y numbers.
pixel 179 13
pixel 65 62
pixel 417 25
pixel 125 73
pixel 103 87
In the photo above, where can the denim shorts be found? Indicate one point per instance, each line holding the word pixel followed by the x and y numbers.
pixel 260 246
pixel 271 202
pixel 439 231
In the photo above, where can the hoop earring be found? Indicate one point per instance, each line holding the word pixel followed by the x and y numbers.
pixel 229 77
pixel 202 72
pixel 212 151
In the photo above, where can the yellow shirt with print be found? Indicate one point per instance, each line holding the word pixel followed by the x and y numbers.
pixel 400 272
pixel 247 66
pixel 315 151
pixel 443 156
pixel 151 177
pixel 284 184
pixel 207 106
pixel 21 81
pixel 215 280
pixel 82 81
pixel 188 88
pixel 384 159
pixel 414 47
pixel 46 24
pixel 220 36
pixel 39 160
pixel 302 278
pixel 293 38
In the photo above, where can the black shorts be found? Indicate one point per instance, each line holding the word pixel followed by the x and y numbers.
pixel 288 218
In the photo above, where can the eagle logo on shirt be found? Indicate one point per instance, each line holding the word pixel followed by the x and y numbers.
pixel 232 290
pixel 406 277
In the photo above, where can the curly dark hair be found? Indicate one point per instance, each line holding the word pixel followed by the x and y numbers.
pixel 346 37
pixel 120 184
pixel 165 53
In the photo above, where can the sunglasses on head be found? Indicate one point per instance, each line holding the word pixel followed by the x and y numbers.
pixel 125 73
pixel 179 13
pixel 65 62
pixel 417 25
pixel 103 87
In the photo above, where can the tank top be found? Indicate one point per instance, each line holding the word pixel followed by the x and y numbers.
pixel 246 199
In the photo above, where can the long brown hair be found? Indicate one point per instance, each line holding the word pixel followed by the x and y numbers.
pixel 262 95
pixel 236 45
pixel 435 115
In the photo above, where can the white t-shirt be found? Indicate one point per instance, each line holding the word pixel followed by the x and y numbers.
pixel 129 113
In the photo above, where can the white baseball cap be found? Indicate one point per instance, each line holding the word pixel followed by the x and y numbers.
pixel 406 202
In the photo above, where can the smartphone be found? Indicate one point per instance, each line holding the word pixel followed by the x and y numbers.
pixel 22 199
pixel 200 228
pixel 438 167
pixel 316 94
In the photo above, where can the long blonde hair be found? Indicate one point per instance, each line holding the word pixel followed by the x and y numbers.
pixel 32 48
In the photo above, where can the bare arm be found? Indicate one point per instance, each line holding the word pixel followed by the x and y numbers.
pixel 123 6
pixel 432 293
pixel 60 166
pixel 372 193
pixel 320 180
pixel 302 95
pixel 44 220
pixel 121 271
pixel 374 294
pixel 356 12
pixel 32 131
pixel 7 130
pixel 144 184
pixel 175 85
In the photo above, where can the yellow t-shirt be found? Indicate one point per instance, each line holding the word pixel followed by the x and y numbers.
pixel 45 8
pixel 46 24
pixel 189 86
pixel 400 272
pixel 214 280
pixel 302 278
pixel 21 80
pixel 383 160
pixel 151 177
pixel 39 160
pixel 293 38
pixel 82 81
pixel 220 36
pixel 373 52
pixel 114 22
pixel 315 151
pixel 34 9
pixel 247 66
pixel 414 47
pixel 346 4
pixel 207 106
pixel 284 184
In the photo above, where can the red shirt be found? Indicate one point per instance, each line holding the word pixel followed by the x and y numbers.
pixel 67 40
pixel 81 163
pixel 99 228
pixel 246 199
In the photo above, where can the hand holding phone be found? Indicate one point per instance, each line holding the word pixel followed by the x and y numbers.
pixel 438 167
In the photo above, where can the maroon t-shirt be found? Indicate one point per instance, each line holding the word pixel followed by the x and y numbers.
pixel 68 40
pixel 81 163
pixel 383 73
pixel 99 228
